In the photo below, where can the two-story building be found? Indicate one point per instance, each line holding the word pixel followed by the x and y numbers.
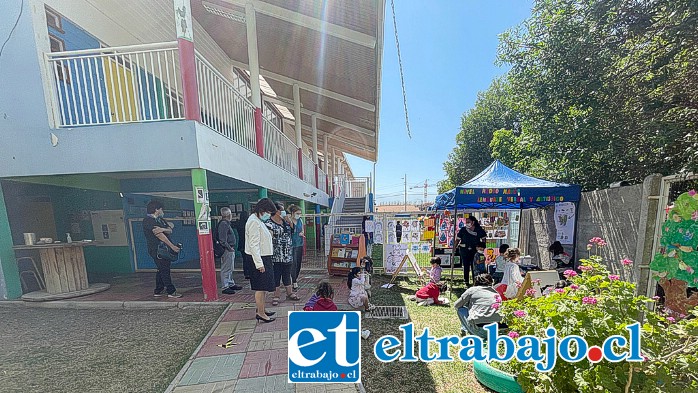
pixel 106 105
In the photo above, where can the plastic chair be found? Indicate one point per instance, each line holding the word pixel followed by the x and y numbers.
pixel 27 266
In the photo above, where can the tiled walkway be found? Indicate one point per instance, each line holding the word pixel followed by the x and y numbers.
pixel 257 360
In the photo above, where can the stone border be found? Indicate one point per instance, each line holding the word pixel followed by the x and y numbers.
pixel 186 366
pixel 110 304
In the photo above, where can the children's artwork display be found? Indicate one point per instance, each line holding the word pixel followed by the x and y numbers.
pixel 564 222
pixel 394 253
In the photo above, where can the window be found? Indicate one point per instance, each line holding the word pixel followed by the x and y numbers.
pixel 57 45
pixel 54 20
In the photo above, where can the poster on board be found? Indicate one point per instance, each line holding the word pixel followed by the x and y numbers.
pixel 564 222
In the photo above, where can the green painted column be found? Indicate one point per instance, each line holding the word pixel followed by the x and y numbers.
pixel 13 287
pixel 199 184
pixel 263 193
pixel 302 206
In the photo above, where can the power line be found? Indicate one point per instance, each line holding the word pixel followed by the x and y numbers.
pixel 402 75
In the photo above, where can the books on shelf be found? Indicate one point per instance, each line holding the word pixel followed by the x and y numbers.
pixel 354 254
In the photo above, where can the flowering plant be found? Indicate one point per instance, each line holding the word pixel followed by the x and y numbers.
pixel 598 305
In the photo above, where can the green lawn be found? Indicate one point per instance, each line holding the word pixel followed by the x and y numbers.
pixel 420 377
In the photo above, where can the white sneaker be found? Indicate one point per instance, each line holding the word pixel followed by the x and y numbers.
pixel 365 334
pixel 371 307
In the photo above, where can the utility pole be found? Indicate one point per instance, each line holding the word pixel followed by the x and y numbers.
pixel 405 192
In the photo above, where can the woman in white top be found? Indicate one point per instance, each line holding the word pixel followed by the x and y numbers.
pixel 513 278
pixel 258 244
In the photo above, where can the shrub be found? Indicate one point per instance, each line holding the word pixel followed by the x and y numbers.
pixel 595 306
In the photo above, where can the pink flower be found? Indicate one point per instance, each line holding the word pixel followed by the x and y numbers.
pixel 645 358
pixel 586 268
pixel 497 298
pixel 569 273
pixel 589 300
pixel 692 193
pixel 613 277
pixel 513 334
pixel 671 319
pixel 655 298
pixel 689 270
pixel 560 290
pixel 536 281
pixel 694 216
pixel 496 306
pixel 626 262
pixel 574 287
pixel 518 285
pixel 531 292
pixel 519 313
pixel 589 246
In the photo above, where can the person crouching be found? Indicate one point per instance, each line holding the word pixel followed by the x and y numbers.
pixel 476 307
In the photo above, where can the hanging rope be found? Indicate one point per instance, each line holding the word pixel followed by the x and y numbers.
pixel 402 75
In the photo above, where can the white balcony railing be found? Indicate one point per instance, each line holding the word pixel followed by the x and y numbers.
pixel 279 149
pixel 308 169
pixel 143 83
pixel 356 187
pixel 126 84
pixel 322 180
pixel 223 108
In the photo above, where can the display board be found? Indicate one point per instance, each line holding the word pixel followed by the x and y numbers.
pixel 109 228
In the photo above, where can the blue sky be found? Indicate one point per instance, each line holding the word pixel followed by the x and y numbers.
pixel 448 50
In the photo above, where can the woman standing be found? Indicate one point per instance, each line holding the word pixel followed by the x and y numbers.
pixel 282 259
pixel 468 237
pixel 297 242
pixel 260 246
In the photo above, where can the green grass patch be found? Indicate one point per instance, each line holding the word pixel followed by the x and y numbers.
pixel 420 377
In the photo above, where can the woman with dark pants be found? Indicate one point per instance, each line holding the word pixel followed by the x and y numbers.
pixel 466 240
pixel 282 259
pixel 297 242
pixel 259 245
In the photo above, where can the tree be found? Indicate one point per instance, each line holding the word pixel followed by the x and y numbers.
pixel 606 84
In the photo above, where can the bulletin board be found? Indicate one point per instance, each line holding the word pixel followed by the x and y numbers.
pixel 109 228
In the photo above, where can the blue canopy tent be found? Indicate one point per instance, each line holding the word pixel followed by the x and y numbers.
pixel 502 188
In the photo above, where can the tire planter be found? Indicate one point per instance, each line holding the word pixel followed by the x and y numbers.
pixel 495 379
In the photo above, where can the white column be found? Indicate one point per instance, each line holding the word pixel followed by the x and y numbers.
pixel 253 54
pixel 297 114
pixel 313 122
pixel 327 157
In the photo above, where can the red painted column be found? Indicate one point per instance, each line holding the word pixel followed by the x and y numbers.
pixel 204 236
pixel 190 88
pixel 300 163
pixel 259 131
pixel 317 176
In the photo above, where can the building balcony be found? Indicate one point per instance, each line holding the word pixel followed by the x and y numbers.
pixel 143 84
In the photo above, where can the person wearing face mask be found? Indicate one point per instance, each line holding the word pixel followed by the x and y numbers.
pixel 467 239
pixel 297 242
pixel 157 230
pixel 280 229
pixel 260 246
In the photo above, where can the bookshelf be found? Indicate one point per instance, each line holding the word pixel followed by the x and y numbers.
pixel 346 251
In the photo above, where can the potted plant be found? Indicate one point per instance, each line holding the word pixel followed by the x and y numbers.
pixel 597 305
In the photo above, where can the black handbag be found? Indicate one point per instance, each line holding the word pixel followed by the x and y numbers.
pixel 166 253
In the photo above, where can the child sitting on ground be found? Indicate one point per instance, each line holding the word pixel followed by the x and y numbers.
pixel 322 299
pixel 500 261
pixel 357 284
pixel 429 294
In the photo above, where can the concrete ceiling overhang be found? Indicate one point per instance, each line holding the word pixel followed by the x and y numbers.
pixel 331 49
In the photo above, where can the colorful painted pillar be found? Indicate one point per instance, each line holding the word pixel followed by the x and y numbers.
pixel 9 274
pixel 253 55
pixel 316 160
pixel 187 59
pixel 203 229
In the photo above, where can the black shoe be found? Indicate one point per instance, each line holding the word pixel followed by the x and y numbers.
pixel 265 320
pixel 158 294
pixel 229 291
pixel 270 313
pixel 236 288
